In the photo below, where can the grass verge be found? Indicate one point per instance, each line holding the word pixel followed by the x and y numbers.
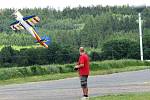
pixel 131 96
pixel 68 75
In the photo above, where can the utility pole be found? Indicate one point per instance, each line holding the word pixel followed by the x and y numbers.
pixel 140 33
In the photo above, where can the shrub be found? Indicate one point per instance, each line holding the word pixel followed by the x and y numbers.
pixel 119 49
pixel 96 56
pixel 39 56
pixel 24 71
pixel 52 69
pixel 8 73
pixel 108 64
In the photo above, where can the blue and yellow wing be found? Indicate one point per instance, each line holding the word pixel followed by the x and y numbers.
pixel 17 26
pixel 30 20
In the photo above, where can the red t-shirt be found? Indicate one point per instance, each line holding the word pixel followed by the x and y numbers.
pixel 84 59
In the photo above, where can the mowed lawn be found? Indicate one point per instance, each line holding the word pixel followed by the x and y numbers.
pixel 132 96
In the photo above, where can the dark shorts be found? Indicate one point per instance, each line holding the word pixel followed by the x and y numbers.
pixel 83 80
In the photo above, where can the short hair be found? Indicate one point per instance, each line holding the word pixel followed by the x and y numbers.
pixel 81 49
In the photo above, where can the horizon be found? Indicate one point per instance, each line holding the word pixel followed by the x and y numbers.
pixel 134 6
pixel 60 5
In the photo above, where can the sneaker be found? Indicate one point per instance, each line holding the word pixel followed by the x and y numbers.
pixel 85 98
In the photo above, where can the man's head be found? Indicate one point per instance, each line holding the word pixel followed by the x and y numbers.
pixel 81 50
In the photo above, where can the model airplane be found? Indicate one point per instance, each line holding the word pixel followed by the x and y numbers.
pixel 28 23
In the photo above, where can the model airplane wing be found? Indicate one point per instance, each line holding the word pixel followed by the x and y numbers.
pixel 30 20
pixel 16 26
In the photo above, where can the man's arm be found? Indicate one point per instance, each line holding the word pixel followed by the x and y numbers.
pixel 80 63
pixel 79 66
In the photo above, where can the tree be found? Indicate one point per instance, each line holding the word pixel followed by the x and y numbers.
pixel 7 55
pixel 121 48
pixel 88 34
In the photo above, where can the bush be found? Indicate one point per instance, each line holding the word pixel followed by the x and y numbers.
pixel 39 56
pixel 8 73
pixel 119 49
pixel 7 56
pixel 108 64
pixel 96 56
pixel 37 70
pixel 61 54
pixel 24 71
pixel 66 68
pixel 52 69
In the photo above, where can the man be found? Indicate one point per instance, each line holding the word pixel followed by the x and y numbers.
pixel 83 69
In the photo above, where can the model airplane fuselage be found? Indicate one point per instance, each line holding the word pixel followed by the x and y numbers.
pixel 28 23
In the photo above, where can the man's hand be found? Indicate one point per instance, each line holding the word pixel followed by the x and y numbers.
pixel 76 67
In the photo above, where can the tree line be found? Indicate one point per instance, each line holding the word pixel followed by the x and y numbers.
pixel 57 54
pixel 86 26
pixel 114 48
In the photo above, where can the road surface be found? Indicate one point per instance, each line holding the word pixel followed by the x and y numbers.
pixel 69 89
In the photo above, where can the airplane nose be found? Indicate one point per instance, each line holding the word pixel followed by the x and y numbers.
pixel 13 15
pixel 0 12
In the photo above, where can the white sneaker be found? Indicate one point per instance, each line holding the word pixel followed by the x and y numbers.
pixel 85 98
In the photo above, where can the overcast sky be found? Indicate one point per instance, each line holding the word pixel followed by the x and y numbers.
pixel 60 4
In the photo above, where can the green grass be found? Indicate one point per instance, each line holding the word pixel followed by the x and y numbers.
pixel 131 96
pixel 108 66
pixel 55 71
pixel 21 72
pixel 68 75
pixel 22 47
pixel 15 47
pixel 37 78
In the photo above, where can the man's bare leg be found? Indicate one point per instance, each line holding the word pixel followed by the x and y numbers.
pixel 85 91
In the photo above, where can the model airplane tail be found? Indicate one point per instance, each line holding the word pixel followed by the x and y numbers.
pixel 44 39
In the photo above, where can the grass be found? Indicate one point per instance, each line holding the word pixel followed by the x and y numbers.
pixel 68 75
pixel 55 71
pixel 15 47
pixel 131 96
pixel 37 78
pixel 21 47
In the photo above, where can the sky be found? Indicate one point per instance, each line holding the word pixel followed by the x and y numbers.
pixel 60 4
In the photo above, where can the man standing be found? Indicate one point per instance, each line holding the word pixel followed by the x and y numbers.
pixel 83 69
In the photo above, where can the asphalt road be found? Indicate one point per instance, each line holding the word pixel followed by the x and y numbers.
pixel 69 89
